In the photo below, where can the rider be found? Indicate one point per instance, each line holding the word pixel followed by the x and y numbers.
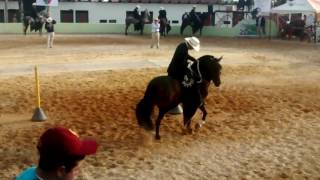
pixel 179 68
pixel 185 16
pixel 194 17
pixel 136 15
pixel 162 14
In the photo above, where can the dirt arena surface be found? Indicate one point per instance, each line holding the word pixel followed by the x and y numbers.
pixel 263 123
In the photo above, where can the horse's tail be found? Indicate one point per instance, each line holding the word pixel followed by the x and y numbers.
pixel 144 109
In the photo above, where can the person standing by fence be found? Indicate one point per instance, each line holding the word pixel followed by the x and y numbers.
pixel 155 31
pixel 260 25
pixel 50 29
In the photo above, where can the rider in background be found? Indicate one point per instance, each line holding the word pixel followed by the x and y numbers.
pixel 194 17
pixel 185 16
pixel 162 14
pixel 136 15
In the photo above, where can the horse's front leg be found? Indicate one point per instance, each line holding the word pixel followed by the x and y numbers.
pixel 142 26
pixel 25 30
pixel 204 115
pixel 126 30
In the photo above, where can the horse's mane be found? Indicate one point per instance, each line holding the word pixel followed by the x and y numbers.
pixel 208 65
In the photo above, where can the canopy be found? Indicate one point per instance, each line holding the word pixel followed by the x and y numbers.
pixel 298 6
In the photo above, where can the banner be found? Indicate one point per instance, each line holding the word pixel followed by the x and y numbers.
pixel 47 3
pixel 264 6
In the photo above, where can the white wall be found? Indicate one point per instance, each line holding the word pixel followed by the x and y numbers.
pixel 117 11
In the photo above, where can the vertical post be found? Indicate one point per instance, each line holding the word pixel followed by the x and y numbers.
pixel 38 114
pixel 6 18
pixel 38 101
pixel 20 3
pixel 315 27
pixel 270 20
pixel 48 10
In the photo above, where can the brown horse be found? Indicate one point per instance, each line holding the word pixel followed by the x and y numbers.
pixel 166 93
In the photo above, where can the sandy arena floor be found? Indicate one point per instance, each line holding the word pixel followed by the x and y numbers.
pixel 263 124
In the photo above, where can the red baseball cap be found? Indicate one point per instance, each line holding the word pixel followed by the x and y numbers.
pixel 62 142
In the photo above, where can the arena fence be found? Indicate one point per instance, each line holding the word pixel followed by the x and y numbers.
pixel 247 29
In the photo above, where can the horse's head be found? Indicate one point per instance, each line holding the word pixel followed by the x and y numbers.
pixel 210 69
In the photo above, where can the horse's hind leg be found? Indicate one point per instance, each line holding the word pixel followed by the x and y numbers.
pixel 126 30
pixel 158 122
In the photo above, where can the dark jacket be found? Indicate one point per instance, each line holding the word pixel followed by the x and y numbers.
pixel 178 65
pixel 50 26
pixel 162 14
pixel 194 17
pixel 262 23
pixel 136 13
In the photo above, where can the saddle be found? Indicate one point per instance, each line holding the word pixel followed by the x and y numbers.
pixel 191 75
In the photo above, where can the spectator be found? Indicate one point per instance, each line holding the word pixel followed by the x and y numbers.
pixel 155 31
pixel 60 151
pixel 50 29
pixel 260 25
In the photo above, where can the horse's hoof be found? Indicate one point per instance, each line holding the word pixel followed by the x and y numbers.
pixel 158 137
pixel 197 127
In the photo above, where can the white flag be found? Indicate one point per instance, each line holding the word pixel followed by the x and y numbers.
pixel 47 3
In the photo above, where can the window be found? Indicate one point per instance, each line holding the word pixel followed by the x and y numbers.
pixel 1 15
pixel 175 21
pixel 112 21
pixel 14 15
pixel 103 21
pixel 66 16
pixel 82 17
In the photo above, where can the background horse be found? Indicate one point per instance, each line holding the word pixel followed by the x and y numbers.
pixel 166 93
pixel 295 28
pixel 36 24
pixel 144 18
pixel 195 24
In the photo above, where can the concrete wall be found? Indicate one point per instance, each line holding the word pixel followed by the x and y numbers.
pixel 76 28
pixel 117 11
pixel 98 11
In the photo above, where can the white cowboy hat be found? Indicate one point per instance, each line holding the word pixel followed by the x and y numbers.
pixel 162 8
pixel 49 19
pixel 193 42
pixel 194 6
pixel 138 6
